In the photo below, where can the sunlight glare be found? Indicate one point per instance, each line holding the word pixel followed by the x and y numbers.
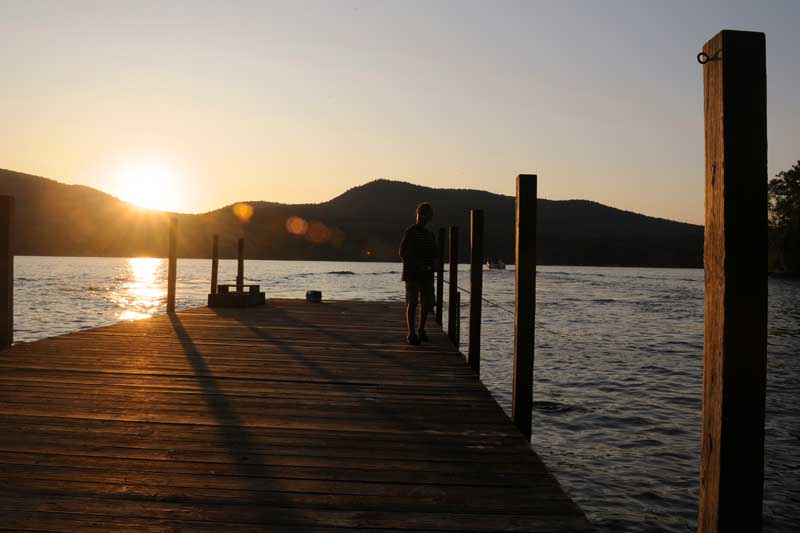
pixel 142 296
pixel 147 185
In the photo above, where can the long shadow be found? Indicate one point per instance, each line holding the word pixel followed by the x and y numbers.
pixel 256 476
pixel 398 360
pixel 456 448
pixel 382 408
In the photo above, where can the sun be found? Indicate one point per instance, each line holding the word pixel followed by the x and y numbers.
pixel 147 185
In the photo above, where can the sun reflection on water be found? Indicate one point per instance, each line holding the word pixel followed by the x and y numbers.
pixel 142 295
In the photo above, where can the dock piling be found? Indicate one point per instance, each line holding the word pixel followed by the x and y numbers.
pixel 214 263
pixel 476 289
pixel 440 276
pixel 735 256
pixel 524 304
pixel 457 336
pixel 173 264
pixel 6 271
pixel 240 267
pixel 452 310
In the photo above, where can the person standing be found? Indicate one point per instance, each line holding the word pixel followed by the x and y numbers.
pixel 418 252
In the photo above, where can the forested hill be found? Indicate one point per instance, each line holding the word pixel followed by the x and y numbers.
pixel 365 222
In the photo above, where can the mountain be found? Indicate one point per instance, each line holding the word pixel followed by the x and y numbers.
pixel 363 223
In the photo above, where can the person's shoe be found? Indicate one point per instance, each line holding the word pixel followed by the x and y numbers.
pixel 423 337
pixel 412 340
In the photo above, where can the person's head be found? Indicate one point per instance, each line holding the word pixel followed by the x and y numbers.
pixel 424 213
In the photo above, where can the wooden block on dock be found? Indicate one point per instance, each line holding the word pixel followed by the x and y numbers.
pixel 225 297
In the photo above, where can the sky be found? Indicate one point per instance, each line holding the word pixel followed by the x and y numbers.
pixel 189 106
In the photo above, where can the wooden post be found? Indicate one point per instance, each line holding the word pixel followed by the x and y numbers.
pixel 173 263
pixel 524 304
pixel 6 271
pixel 457 336
pixel 476 288
pixel 452 302
pixel 214 263
pixel 735 348
pixel 440 277
pixel 240 267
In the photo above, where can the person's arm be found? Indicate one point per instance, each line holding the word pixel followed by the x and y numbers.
pixel 404 245
pixel 436 257
pixel 434 251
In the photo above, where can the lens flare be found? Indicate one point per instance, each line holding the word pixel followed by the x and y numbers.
pixel 318 232
pixel 296 226
pixel 244 212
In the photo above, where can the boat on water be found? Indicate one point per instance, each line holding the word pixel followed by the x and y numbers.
pixel 497 264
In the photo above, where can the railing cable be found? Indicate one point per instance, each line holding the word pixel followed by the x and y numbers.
pixel 487 300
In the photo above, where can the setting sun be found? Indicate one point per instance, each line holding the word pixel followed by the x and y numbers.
pixel 147 185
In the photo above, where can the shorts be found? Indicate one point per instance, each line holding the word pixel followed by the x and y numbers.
pixel 421 290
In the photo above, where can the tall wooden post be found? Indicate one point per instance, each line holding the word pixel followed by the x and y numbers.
pixel 6 271
pixel 440 277
pixel 735 349
pixel 214 263
pixel 172 270
pixel 476 288
pixel 240 267
pixel 457 336
pixel 453 310
pixel 524 304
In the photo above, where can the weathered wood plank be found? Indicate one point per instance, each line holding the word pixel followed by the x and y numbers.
pixel 734 376
pixel 475 288
pixel 6 271
pixel 440 276
pixel 525 304
pixel 172 269
pixel 273 418
pixel 214 263
pixel 452 302
pixel 240 265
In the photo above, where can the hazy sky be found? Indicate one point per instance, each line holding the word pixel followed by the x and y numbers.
pixel 193 105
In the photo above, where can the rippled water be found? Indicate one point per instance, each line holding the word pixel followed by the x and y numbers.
pixel 618 373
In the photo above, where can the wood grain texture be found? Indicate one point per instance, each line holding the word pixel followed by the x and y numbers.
pixel 524 304
pixel 214 263
pixel 287 417
pixel 6 270
pixel 453 311
pixel 240 265
pixel 734 376
pixel 172 268
pixel 440 276
pixel 475 289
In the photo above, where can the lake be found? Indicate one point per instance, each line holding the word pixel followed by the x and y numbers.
pixel 618 371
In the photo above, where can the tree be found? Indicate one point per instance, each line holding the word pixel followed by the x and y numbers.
pixel 784 219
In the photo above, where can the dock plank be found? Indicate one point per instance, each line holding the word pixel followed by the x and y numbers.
pixel 289 416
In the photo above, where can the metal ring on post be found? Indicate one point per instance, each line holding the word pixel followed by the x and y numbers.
pixel 704 58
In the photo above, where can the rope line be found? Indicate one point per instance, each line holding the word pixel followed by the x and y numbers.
pixel 509 311
pixel 487 300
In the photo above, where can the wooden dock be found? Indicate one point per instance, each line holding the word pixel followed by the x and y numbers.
pixel 287 417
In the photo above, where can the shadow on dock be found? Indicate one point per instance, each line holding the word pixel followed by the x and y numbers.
pixel 235 437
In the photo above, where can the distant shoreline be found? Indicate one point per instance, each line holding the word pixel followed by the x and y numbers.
pixel 778 275
pixel 461 262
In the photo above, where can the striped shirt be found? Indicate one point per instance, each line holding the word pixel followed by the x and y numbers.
pixel 418 252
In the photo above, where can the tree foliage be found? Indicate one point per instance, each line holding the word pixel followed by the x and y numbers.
pixel 784 219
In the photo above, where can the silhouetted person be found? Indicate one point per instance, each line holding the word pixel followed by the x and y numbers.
pixel 418 252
